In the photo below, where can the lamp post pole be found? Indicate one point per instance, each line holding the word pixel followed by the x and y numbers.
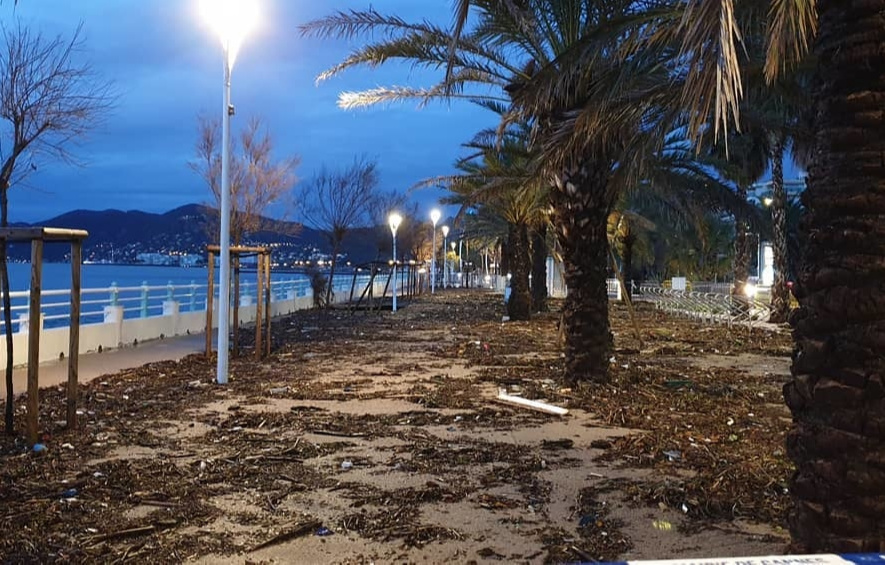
pixel 224 236
pixel 434 217
pixel 232 20
pixel 445 230
pixel 394 220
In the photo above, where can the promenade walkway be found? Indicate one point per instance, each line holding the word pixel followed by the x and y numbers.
pixel 93 365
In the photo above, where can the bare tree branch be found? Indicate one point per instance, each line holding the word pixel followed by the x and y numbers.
pixel 257 179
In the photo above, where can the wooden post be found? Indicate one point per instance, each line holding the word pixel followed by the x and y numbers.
pixel 267 296
pixel 235 256
pixel 210 298
pixel 74 345
pixel 259 296
pixel 34 339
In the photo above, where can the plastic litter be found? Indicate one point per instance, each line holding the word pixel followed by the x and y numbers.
pixel 673 455
pixel 39 448
pixel 662 525
pixel 323 531
pixel 70 493
pixel 346 465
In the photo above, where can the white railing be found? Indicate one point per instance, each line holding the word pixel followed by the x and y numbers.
pixel 115 316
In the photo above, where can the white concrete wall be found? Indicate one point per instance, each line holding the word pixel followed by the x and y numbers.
pixel 117 331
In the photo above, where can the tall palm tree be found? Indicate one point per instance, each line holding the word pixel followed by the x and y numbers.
pixel 498 180
pixel 837 390
pixel 575 71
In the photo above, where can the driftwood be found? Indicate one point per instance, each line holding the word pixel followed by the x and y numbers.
pixel 295 531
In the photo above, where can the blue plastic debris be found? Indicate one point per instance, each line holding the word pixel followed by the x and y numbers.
pixel 324 531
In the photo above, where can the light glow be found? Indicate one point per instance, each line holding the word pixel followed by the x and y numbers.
pixel 394 220
pixel 445 230
pixel 750 290
pixel 232 20
pixel 435 215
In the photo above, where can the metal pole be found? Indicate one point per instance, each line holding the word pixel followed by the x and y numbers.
pixel 445 260
pixel 394 271
pixel 433 263
pixel 224 283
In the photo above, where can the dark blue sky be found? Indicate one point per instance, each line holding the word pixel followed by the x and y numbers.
pixel 166 65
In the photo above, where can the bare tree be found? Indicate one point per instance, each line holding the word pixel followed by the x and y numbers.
pixel 257 179
pixel 337 201
pixel 48 103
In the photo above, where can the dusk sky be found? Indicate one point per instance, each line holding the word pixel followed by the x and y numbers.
pixel 166 65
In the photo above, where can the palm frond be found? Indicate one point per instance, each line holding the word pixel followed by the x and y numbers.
pixel 792 26
pixel 713 77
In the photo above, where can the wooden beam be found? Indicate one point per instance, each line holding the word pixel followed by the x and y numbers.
pixel 236 326
pixel 267 301
pixel 45 234
pixel 210 298
pixel 74 342
pixel 34 340
pixel 259 298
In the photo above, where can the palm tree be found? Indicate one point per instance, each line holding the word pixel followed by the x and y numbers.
pixel 836 391
pixel 574 71
pixel 497 180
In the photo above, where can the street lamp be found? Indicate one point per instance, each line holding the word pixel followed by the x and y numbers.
pixel 231 20
pixel 435 215
pixel 394 220
pixel 445 230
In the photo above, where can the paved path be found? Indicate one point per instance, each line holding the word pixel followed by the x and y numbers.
pixel 93 365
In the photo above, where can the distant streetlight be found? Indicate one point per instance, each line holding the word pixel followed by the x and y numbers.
pixel 394 220
pixel 445 230
pixel 232 20
pixel 435 215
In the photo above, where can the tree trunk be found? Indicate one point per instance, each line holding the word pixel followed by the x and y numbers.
pixel 627 266
pixel 539 268
pixel 741 265
pixel 780 294
pixel 581 205
pixel 519 306
pixel 837 391
pixel 335 248
pixel 7 308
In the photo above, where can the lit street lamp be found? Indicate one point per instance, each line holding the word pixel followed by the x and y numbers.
pixel 434 217
pixel 232 20
pixel 394 220
pixel 445 230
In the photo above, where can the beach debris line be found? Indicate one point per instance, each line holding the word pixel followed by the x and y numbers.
pixel 296 531
pixel 506 398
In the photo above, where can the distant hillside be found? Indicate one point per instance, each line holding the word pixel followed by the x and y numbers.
pixel 119 236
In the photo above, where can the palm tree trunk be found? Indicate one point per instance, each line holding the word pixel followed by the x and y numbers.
pixel 581 206
pixel 539 268
pixel 627 267
pixel 780 294
pixel 519 306
pixel 741 265
pixel 837 392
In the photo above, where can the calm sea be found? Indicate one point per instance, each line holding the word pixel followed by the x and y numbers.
pixel 58 275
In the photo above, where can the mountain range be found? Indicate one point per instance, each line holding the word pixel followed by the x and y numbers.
pixel 120 236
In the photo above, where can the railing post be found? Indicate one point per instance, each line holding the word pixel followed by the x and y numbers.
pixel 144 299
pixel 114 293
pixel 170 291
pixel 193 297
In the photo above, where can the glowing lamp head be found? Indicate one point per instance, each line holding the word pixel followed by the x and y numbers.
pixel 435 215
pixel 768 201
pixel 232 20
pixel 445 230
pixel 394 220
pixel 750 290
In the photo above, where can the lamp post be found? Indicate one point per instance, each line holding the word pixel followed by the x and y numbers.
pixel 434 217
pixel 394 220
pixel 445 230
pixel 232 20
